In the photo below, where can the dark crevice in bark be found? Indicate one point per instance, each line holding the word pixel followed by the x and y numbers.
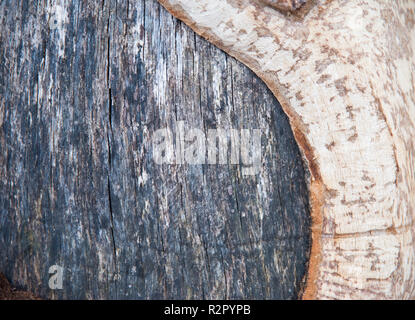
pixel 109 137
pixel 112 224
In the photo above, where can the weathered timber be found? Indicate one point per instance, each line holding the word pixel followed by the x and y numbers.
pixel 83 87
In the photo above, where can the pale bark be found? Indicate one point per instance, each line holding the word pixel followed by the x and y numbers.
pixel 344 75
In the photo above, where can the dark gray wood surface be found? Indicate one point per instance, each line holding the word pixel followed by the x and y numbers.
pixel 83 87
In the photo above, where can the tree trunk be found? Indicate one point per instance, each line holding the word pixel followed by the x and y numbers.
pixel 84 87
pixel 343 72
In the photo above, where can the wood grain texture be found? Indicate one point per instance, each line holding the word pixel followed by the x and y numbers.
pixel 83 87
pixel 344 76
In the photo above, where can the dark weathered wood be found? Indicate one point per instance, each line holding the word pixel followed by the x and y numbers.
pixel 80 99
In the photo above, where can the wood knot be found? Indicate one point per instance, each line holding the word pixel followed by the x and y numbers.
pixel 286 5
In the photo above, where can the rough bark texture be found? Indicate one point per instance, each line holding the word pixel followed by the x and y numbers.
pixel 345 76
pixel 83 87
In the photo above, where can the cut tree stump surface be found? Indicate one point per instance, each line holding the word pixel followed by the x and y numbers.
pixel 83 87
